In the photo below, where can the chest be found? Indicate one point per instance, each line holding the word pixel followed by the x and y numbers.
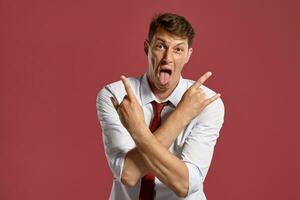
pixel 177 146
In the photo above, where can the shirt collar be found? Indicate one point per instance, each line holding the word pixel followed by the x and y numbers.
pixel 147 95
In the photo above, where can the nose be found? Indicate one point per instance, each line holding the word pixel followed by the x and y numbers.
pixel 168 56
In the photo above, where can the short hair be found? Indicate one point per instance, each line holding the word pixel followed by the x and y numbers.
pixel 174 24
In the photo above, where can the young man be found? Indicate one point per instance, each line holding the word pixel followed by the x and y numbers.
pixel 159 130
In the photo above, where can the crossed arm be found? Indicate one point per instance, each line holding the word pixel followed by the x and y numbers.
pixel 167 167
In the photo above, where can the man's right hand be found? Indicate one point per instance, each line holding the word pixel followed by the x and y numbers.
pixel 194 100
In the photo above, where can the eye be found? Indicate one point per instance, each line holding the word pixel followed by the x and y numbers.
pixel 159 46
pixel 178 50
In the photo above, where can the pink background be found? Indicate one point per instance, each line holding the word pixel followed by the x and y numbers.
pixel 56 55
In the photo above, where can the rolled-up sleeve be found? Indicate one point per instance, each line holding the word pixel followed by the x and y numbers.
pixel 116 139
pixel 199 145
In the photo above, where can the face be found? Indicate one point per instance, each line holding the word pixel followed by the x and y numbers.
pixel 167 54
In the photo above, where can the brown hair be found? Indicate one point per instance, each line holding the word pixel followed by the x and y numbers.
pixel 172 23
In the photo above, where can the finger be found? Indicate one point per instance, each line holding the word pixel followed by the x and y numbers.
pixel 202 79
pixel 114 102
pixel 212 99
pixel 127 86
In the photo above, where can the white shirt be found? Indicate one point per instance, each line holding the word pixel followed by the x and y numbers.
pixel 194 145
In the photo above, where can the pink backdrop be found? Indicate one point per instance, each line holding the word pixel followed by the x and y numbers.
pixel 56 55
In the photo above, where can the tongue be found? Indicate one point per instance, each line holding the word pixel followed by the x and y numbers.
pixel 164 77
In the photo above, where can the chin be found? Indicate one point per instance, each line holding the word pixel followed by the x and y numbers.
pixel 163 87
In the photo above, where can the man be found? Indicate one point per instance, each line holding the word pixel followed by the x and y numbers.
pixel 159 130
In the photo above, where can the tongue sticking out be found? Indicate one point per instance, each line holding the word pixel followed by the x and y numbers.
pixel 164 77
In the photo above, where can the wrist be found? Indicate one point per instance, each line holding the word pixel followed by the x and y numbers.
pixel 139 131
pixel 180 117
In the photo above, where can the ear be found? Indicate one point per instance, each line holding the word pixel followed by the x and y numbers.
pixel 146 47
pixel 190 51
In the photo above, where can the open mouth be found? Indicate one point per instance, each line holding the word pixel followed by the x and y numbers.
pixel 164 76
pixel 168 71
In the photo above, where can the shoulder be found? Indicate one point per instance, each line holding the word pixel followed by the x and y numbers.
pixel 117 89
pixel 216 108
pixel 208 92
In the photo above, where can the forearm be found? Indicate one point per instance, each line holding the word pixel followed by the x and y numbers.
pixel 167 168
pixel 171 128
pixel 134 167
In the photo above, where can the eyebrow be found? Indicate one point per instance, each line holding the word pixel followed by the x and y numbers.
pixel 166 42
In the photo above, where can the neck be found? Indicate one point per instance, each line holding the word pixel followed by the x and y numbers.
pixel 161 96
pixel 161 93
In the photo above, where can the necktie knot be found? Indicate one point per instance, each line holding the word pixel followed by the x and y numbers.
pixel 157 107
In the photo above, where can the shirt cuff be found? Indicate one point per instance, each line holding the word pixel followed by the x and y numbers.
pixel 195 178
pixel 117 165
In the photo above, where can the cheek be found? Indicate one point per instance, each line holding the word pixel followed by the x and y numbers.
pixel 157 56
pixel 154 62
pixel 179 64
pixel 151 60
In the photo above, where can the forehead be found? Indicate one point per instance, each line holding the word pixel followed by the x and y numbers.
pixel 168 38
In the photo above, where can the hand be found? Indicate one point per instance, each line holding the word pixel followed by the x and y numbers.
pixel 194 100
pixel 129 110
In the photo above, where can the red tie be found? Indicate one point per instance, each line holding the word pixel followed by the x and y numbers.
pixel 147 191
